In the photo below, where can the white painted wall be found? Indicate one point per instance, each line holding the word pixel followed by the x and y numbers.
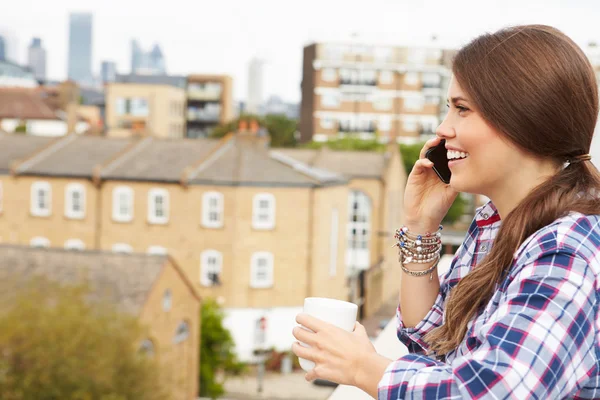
pixel 43 127
pixel 595 149
pixel 241 322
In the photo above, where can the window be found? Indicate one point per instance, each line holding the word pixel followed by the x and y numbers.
pixel 359 221
pixel 211 264
pixel 386 77
pixel 385 124
pixel 212 210
pixel 41 199
pixel 333 242
pixel 167 301
pixel 122 210
pixel 147 348
pixel 158 206
pixel 411 78
pixel 75 201
pixel 432 100
pixel 417 56
pixel 122 248
pixel 329 74
pixel 327 123
pixel 74 244
pixel 40 242
pixel 182 332
pixel 157 251
pixel 382 103
pixel 261 270
pixel 263 211
pixel 331 100
pixel 414 103
pixel 137 106
pixel 431 80
pixel 409 125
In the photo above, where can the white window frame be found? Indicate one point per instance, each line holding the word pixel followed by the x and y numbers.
pixel 35 210
pixel 333 241
pixel 157 251
pixel 206 267
pixel 327 122
pixel 182 333
pixel 208 209
pixel 386 77
pixel 117 215
pixel 414 103
pixel 70 212
pixel 147 348
pixel 383 103
pixel 330 100
pixel 167 300
pixel 40 242
pixel 385 124
pixel 122 248
pixel 255 282
pixel 153 194
pixel 409 125
pixel 257 212
pixel 411 78
pixel 328 75
pixel 74 244
pixel 358 231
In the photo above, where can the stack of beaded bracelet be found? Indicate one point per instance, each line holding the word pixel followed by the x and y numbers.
pixel 419 249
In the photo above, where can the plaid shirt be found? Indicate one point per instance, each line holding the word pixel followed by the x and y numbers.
pixel 537 338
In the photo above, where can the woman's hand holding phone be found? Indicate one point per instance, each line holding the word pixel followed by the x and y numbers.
pixel 426 198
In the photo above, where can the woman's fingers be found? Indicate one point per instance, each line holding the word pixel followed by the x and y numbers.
pixel 429 144
pixel 304 335
pixel 422 165
pixel 303 352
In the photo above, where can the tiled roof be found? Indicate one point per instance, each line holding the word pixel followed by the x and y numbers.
pixel 17 147
pixel 22 103
pixel 355 164
pixel 159 160
pixel 122 279
pixel 245 161
pixel 74 156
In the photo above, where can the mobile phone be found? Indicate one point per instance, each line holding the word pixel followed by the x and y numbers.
pixel 438 155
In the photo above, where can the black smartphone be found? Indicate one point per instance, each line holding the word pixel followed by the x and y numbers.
pixel 438 155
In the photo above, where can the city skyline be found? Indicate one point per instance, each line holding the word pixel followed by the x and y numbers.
pixel 237 32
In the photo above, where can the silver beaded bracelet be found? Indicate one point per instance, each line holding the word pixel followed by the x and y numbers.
pixel 422 273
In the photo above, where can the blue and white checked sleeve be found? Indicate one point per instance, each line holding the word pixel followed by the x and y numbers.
pixel 538 344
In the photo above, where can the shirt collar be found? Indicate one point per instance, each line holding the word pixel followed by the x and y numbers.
pixel 487 215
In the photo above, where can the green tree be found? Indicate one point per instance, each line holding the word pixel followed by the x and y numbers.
pixel 410 155
pixel 56 345
pixel 281 129
pixel 21 128
pixel 216 350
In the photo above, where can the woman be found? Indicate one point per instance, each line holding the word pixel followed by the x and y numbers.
pixel 516 316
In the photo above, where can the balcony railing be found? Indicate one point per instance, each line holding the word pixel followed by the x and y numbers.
pixel 358 82
pixel 352 128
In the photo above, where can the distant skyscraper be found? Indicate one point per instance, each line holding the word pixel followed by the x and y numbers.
pixel 255 86
pixel 2 49
pixel 36 59
pixel 80 48
pixel 108 71
pixel 147 63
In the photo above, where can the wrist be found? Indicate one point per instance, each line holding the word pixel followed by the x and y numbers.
pixel 421 227
pixel 369 373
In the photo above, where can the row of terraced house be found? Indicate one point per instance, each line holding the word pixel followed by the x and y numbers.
pixel 255 227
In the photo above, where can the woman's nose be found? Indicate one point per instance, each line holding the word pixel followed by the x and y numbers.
pixel 445 130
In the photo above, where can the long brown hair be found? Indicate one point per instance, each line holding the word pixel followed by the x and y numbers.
pixel 536 87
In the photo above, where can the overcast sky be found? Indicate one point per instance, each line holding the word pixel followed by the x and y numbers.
pixel 221 36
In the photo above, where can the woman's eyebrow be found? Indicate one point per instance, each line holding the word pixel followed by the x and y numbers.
pixel 456 99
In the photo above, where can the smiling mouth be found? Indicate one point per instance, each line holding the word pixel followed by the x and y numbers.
pixel 454 155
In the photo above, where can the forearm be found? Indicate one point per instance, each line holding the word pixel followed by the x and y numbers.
pixel 417 294
pixel 370 373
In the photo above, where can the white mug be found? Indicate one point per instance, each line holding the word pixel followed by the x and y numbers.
pixel 336 312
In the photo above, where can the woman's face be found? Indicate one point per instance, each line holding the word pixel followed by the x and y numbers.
pixel 491 162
